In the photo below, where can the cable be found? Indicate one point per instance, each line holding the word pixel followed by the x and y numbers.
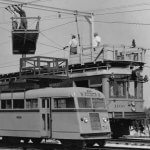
pixel 9 62
pixel 6 22
pixel 51 40
pixel 58 26
pixel 122 6
pixel 4 29
pixel 48 8
pixel 50 46
pixel 8 66
pixel 2 43
pixel 56 18
pixel 33 1
pixel 122 22
pixel 118 12
pixel 119 22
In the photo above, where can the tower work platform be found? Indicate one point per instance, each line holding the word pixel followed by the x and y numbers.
pixel 24 40
pixel 109 53
pixel 35 72
pixel 43 67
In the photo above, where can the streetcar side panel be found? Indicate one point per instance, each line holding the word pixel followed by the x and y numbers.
pixel 20 124
pixel 22 117
pixel 64 118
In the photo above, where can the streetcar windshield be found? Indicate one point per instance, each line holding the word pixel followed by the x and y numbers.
pixel 64 102
pixel 84 102
pixel 98 103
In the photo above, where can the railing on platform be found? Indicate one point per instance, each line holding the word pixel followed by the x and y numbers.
pixel 39 65
pixel 110 53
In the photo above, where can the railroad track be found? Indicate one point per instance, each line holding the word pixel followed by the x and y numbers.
pixel 128 143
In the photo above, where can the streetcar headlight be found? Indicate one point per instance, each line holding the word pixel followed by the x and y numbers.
pixel 105 120
pixel 133 109
pixel 84 119
pixel 133 104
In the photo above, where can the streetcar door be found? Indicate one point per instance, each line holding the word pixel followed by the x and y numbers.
pixel 47 115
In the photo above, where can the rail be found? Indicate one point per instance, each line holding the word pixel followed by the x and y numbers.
pixel 108 53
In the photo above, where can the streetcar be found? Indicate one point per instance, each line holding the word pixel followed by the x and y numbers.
pixel 72 115
pixel 116 71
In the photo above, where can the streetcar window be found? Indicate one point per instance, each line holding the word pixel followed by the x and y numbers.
pixel 112 89
pixel 31 103
pixel 18 103
pixel 84 102
pixel 98 103
pixel 64 103
pixel 140 90
pixel 48 121
pixel 43 103
pixel 6 104
pixel 117 89
pixel 120 88
pixel 47 103
pixel 132 89
pixel 44 121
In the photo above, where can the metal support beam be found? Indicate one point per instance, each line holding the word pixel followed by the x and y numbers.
pixel 90 20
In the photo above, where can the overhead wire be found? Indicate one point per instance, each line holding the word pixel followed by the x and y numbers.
pixel 95 21
pixel 118 12
pixel 56 18
pixel 50 46
pixel 5 22
pixel 47 8
pixel 14 61
pixel 34 1
pixel 35 55
pixel 2 43
pixel 5 29
pixel 51 40
pixel 119 22
pixel 8 66
pixel 122 6
pixel 57 26
pixel 122 22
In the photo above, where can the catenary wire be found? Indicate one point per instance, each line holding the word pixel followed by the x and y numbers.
pixel 47 8
pixel 119 22
pixel 56 18
pixel 57 26
pixel 122 6
pixel 119 12
pixel 122 22
pixel 51 40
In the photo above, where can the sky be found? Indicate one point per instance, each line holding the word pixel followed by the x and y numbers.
pixel 116 21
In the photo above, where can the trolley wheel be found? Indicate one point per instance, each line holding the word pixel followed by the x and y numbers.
pixel 4 139
pixel 36 140
pixel 90 143
pixel 13 140
pixel 101 143
pixel 26 140
pixel 72 144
